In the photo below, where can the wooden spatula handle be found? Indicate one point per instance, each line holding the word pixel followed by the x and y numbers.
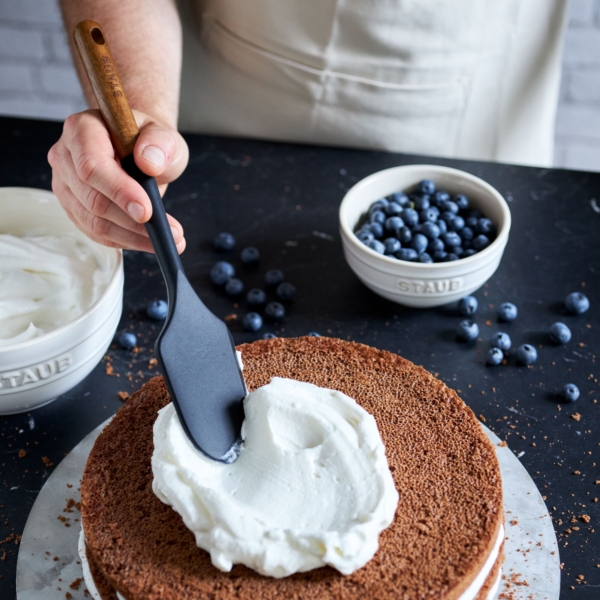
pixel 103 76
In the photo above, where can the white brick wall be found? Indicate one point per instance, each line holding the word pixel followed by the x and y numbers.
pixel 37 78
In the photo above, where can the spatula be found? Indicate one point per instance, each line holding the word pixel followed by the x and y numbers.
pixel 195 349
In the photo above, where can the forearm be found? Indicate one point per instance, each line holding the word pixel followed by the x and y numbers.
pixel 145 39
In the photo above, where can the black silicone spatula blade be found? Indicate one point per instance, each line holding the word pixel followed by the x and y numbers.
pixel 195 349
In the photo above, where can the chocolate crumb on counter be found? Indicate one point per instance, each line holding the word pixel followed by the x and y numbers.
pixel 123 396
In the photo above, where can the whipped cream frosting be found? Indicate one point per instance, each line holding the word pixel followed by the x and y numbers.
pixel 311 486
pixel 45 281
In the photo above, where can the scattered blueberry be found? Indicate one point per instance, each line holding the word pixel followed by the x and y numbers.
pixel 560 333
pixel 419 243
pixel 127 340
pixel 461 201
pixel 408 254
pixel 481 242
pixel 392 245
pixel 157 310
pixel 273 277
pixel 222 272
pixel 570 392
pixel 577 303
pixel 507 311
pixel 234 287
pixel 224 242
pixel 269 336
pixel 250 255
pixel 424 258
pixel 286 292
pixel 377 246
pixel 468 305
pixel 426 186
pixel 526 354
pixel 256 297
pixel 252 321
pixel 495 356
pixel 314 334
pixel 501 340
pixel 275 311
pixel 467 331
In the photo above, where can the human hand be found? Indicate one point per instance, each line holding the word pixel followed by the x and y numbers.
pixel 96 193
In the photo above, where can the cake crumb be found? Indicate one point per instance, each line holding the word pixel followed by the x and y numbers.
pixel 123 396
pixel 503 444
pixel 47 462
pixel 231 317
pixel 576 416
pixel 75 585
pixel 22 453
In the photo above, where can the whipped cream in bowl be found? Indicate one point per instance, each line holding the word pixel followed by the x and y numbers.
pixel 311 486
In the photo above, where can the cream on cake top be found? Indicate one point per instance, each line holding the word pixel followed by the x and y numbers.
pixel 311 486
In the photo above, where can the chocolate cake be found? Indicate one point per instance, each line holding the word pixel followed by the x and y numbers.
pixel 447 525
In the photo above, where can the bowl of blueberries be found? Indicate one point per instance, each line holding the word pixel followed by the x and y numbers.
pixel 423 235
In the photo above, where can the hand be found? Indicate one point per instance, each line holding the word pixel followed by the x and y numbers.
pixel 97 195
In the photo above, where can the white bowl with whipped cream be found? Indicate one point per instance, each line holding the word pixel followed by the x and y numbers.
pixel 61 297
pixel 422 285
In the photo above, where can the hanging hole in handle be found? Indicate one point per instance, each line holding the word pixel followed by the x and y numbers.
pixel 97 36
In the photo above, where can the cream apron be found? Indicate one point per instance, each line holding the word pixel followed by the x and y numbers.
pixel 466 78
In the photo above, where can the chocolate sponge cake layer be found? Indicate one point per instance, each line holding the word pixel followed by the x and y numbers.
pixel 445 469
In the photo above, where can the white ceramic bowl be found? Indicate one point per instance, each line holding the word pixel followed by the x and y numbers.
pixel 422 285
pixel 36 371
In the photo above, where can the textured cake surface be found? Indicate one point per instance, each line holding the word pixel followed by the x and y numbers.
pixel 444 468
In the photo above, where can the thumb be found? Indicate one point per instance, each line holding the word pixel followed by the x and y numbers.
pixel 160 152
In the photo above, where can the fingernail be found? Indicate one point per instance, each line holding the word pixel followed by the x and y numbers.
pixel 154 155
pixel 175 232
pixel 136 211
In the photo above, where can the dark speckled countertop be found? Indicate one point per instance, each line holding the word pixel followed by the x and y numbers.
pixel 283 198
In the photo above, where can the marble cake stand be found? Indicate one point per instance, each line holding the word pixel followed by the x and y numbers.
pixel 48 562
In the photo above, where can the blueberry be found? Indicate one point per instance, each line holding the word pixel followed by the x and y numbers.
pixel 507 311
pixel 400 198
pixel 157 310
pixel 467 331
pixel 410 216
pixel 495 356
pixel 224 242
pixel 450 206
pixel 471 222
pixel 364 236
pixel 313 334
pixel 375 228
pixel 430 230
pixel 393 224
pixel 256 297
pixel 501 340
pixel 458 251
pixel 450 256
pixel 466 234
pixel 268 336
pixel 577 303
pixel 252 321
pixel 429 215
pixel 481 242
pixel 451 239
pixel 286 292
pixel 456 224
pixel 476 214
pixel 127 340
pixel 377 246
pixel 468 252
pixel 377 217
pixel 447 217
pixel 250 255
pixel 468 245
pixel 392 209
pixel 560 333
pixel 461 201
pixel 273 277
pixel 435 245
pixel 484 226
pixel 419 243
pixel 234 287
pixel 440 197
pixel 404 235
pixel 275 311
pixel 570 392
pixel 378 205
pixel 392 245
pixel 424 258
pixel 222 272
pixel 526 354
pixel 439 256
pixel 408 254
pixel 468 305
pixel 426 186
pixel 442 225
pixel 422 202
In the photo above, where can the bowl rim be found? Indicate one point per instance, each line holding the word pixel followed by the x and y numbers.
pixel 115 278
pixel 349 236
